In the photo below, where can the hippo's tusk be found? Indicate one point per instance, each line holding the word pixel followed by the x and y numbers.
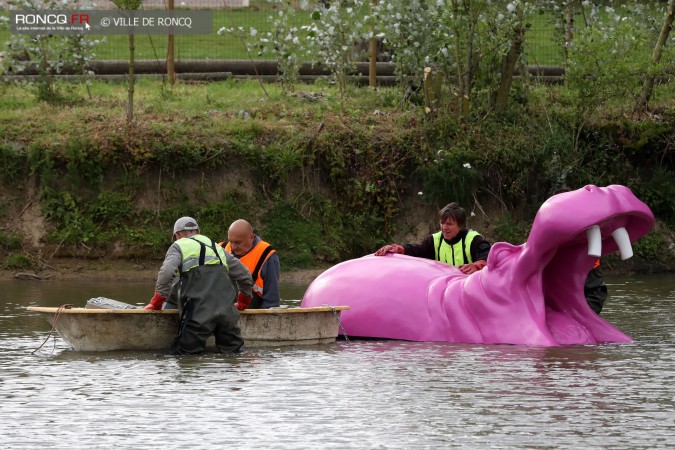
pixel 594 241
pixel 621 238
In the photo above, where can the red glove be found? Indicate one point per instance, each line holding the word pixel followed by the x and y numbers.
pixel 243 301
pixel 472 267
pixel 392 248
pixel 156 302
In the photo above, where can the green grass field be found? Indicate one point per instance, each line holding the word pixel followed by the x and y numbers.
pixel 541 48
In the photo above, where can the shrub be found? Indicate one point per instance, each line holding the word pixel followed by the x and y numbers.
pixel 14 167
pixel 10 242
pixel 18 261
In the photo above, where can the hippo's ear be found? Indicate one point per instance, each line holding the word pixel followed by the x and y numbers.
pixel 502 254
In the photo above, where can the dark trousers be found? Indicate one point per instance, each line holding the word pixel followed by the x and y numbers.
pixel 197 325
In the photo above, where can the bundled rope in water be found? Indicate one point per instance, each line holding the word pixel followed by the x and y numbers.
pixel 56 319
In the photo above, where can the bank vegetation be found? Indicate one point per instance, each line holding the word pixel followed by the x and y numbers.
pixel 328 171
pixel 323 177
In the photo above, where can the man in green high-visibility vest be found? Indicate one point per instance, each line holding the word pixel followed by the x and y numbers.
pixel 454 244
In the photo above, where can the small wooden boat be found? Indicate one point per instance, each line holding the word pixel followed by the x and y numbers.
pixel 95 329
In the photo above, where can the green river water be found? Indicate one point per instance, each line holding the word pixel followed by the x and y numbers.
pixel 351 394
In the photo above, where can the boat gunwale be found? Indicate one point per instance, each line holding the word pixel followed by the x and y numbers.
pixel 62 310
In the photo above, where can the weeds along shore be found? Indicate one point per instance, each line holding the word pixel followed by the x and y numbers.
pixel 322 175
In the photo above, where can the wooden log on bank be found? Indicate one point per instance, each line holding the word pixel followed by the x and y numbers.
pixel 359 80
pixel 236 66
pixel 210 76
pixel 244 67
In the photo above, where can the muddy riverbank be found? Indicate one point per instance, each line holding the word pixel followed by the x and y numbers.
pixel 76 269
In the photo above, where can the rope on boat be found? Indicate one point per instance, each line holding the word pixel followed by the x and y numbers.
pixel 56 319
pixel 337 318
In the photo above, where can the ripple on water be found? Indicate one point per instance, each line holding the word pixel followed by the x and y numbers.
pixel 356 394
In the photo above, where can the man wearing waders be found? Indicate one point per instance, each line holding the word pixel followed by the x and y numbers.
pixel 205 293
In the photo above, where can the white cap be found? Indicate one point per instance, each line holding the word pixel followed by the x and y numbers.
pixel 185 224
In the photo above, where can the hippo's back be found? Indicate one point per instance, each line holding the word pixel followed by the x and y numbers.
pixel 387 295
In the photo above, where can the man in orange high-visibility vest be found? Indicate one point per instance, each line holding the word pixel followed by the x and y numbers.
pixel 260 259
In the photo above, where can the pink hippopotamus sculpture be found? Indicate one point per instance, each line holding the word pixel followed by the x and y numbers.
pixel 527 294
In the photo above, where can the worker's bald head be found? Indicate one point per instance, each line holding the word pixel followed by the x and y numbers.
pixel 240 234
pixel 240 226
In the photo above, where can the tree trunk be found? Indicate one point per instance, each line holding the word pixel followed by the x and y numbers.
pixel 468 81
pixel 46 71
pixel 569 25
pixel 509 65
pixel 458 61
pixel 372 68
pixel 132 80
pixel 433 81
pixel 170 60
pixel 648 86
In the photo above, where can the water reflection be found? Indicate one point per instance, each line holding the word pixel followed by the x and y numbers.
pixel 351 394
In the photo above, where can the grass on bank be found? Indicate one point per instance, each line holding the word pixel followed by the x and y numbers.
pixel 193 107
pixel 371 151
pixel 224 128
pixel 22 118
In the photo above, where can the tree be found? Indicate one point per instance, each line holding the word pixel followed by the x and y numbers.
pixel 648 86
pixel 500 96
pixel 130 5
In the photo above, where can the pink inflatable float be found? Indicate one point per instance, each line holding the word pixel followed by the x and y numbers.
pixel 528 294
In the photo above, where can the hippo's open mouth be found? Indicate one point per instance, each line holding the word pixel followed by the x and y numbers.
pixel 568 316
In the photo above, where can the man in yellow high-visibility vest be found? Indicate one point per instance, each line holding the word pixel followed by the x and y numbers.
pixel 454 244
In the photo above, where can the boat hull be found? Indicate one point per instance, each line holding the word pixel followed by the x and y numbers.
pixel 95 330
